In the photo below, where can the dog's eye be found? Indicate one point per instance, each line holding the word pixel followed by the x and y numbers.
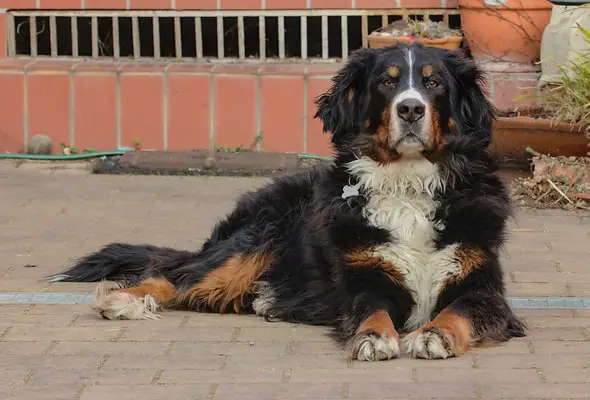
pixel 388 83
pixel 432 84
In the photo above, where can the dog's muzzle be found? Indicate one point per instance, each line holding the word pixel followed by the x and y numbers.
pixel 409 126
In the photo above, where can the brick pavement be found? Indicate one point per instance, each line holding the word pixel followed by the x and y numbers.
pixel 64 352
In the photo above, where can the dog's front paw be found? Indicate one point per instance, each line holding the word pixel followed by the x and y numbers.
pixel 370 346
pixel 430 343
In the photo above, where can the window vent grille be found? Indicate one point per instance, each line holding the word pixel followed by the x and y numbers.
pixel 205 36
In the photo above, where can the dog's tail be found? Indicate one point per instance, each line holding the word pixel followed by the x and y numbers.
pixel 119 262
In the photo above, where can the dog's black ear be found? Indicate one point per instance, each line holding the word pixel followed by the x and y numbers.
pixel 341 108
pixel 472 110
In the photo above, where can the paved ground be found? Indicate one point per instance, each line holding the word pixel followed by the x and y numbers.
pixel 64 352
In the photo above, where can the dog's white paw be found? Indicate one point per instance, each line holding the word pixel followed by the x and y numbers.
pixel 120 305
pixel 429 343
pixel 373 347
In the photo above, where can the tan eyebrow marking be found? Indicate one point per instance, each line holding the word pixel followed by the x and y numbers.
pixel 393 71
pixel 427 71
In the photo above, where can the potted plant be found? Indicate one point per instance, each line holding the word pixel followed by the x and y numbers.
pixel 429 33
pixel 560 125
pixel 504 30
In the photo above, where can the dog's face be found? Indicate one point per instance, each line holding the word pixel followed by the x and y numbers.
pixel 404 101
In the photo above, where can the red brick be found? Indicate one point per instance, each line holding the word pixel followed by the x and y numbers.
pixel 235 111
pixel 142 110
pixel 15 65
pixel 317 142
pixel 106 4
pixel 188 111
pixel 286 4
pixel 420 3
pixel 95 111
pixel 506 92
pixel 190 68
pixel 241 69
pixel 282 114
pixel 283 70
pixel 51 65
pixel 331 3
pixel 49 107
pixel 451 4
pixel 241 4
pixel 151 4
pixel 60 4
pixel 376 4
pixel 11 112
pixel 323 69
pixel 96 66
pixel 18 4
pixel 141 67
pixel 196 4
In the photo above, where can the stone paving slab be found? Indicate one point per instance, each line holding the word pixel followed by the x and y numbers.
pixel 63 351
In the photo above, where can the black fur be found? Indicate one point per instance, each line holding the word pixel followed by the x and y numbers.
pixel 309 228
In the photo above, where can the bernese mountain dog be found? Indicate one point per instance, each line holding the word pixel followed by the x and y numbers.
pixel 400 235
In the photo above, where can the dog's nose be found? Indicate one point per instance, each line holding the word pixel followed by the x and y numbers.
pixel 411 110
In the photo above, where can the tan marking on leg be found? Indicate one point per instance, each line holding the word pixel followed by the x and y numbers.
pixel 376 339
pixel 457 328
pixel 363 259
pixel 380 322
pixel 136 302
pixel 159 288
pixel 229 283
pixel 468 260
pixel 448 335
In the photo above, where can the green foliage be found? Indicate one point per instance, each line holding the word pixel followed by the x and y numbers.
pixel 72 150
pixel 240 148
pixel 424 29
pixel 569 99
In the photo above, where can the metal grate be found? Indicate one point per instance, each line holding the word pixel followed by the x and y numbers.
pixel 206 36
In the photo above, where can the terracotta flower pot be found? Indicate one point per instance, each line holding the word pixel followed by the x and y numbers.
pixel 448 42
pixel 512 135
pixel 505 30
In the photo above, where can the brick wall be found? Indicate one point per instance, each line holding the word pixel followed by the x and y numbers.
pixel 180 106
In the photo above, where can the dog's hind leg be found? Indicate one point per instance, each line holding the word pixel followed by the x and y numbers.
pixel 135 302
pixel 229 287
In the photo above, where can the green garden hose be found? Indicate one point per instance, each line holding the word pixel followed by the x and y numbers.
pixel 60 157
pixel 83 156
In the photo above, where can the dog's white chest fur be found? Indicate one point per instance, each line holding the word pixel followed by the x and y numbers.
pixel 400 200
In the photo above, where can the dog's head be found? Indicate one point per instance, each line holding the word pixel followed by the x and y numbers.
pixel 405 101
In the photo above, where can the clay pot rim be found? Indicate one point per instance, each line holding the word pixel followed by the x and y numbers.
pixel 480 4
pixel 446 39
pixel 532 123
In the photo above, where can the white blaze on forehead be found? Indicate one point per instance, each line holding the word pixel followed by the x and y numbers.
pixel 410 58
